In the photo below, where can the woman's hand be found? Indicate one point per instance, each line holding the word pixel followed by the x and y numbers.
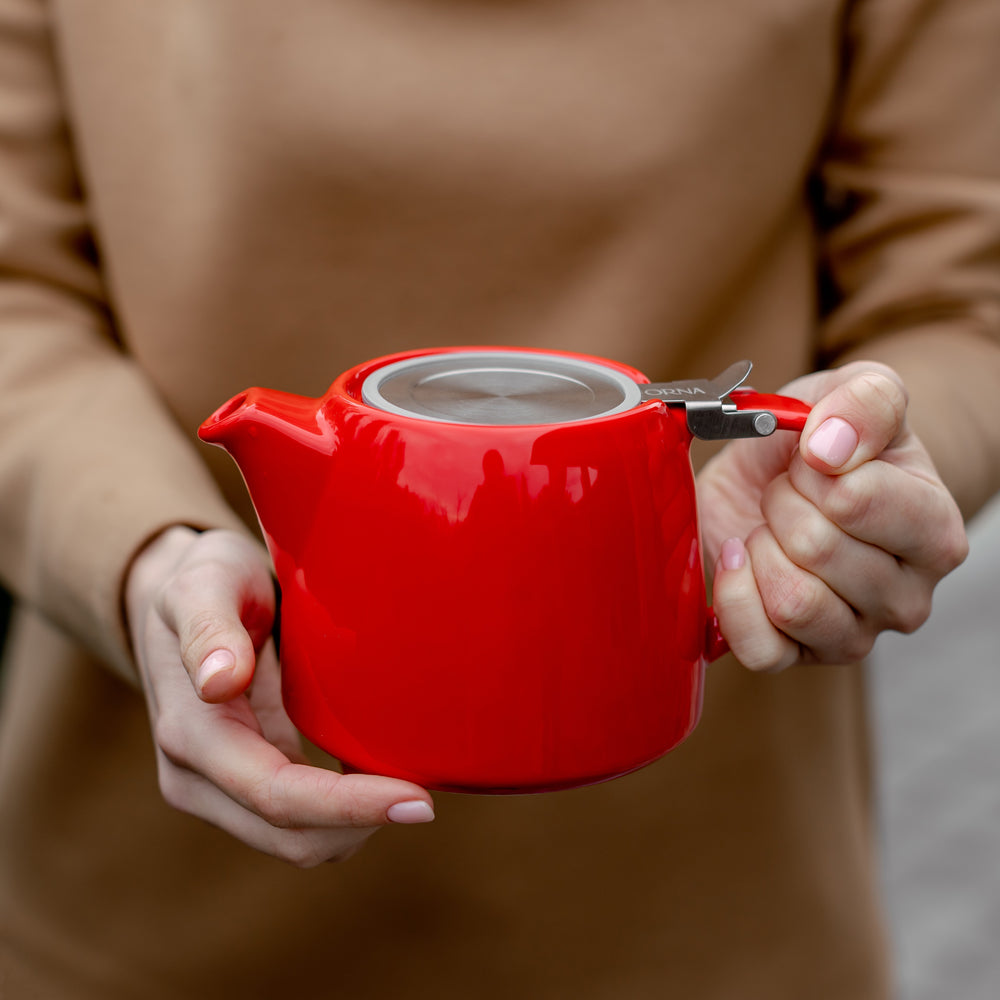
pixel 821 543
pixel 201 608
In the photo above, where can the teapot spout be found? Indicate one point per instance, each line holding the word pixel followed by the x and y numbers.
pixel 244 416
pixel 279 442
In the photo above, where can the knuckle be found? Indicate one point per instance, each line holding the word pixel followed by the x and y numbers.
pixel 916 620
pixel 848 643
pixel 261 799
pixel 197 577
pixel 879 390
pixel 909 617
pixel 182 585
pixel 766 654
pixel 173 787
pixel 954 546
pixel 170 737
pixel 793 603
pixel 200 634
pixel 352 809
pixel 855 645
pixel 848 502
pixel 357 806
pixel 810 543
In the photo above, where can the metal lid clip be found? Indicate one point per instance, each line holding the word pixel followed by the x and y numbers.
pixel 711 413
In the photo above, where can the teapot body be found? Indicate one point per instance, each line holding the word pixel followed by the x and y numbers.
pixel 493 608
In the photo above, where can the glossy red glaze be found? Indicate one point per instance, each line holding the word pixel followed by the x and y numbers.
pixel 790 413
pixel 479 608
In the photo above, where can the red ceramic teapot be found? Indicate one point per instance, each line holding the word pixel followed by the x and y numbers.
pixel 489 560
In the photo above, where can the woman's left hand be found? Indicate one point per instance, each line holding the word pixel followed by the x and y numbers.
pixel 821 542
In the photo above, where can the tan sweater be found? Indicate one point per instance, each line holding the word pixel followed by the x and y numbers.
pixel 199 197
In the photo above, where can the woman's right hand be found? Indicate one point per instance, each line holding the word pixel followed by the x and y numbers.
pixel 200 609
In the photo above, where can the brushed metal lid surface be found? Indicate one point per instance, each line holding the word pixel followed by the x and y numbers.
pixel 500 387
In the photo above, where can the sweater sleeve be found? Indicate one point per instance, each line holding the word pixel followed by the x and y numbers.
pixel 909 184
pixel 91 463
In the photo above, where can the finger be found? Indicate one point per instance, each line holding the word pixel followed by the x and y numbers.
pixel 876 585
pixel 804 608
pixel 743 620
pixel 220 603
pixel 911 517
pixel 856 420
pixel 224 744
pixel 304 848
pixel 217 763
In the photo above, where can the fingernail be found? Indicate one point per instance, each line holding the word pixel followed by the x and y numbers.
pixel 833 442
pixel 417 811
pixel 734 555
pixel 214 665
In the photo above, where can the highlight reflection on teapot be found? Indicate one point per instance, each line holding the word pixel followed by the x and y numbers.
pixel 489 560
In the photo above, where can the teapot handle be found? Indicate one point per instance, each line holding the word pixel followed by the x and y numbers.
pixel 790 414
pixel 715 641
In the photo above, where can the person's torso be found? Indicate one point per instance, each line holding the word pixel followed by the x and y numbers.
pixel 358 177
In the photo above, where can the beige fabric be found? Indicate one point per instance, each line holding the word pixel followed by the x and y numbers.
pixel 629 179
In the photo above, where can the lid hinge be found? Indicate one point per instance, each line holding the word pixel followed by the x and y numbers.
pixel 720 420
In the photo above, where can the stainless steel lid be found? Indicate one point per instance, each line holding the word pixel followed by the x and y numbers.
pixel 500 387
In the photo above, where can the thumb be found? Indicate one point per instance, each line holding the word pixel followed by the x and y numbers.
pixel 220 603
pixel 861 414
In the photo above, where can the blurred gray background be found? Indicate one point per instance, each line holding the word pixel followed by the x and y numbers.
pixel 936 709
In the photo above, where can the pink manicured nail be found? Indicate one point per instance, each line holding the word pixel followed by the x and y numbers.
pixel 417 811
pixel 219 662
pixel 734 555
pixel 834 442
